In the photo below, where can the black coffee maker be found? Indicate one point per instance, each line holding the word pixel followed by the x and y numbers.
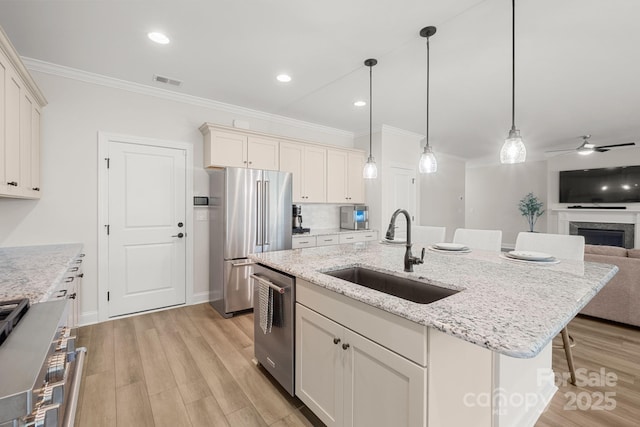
pixel 297 220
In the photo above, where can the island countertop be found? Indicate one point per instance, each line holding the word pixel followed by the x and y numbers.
pixel 508 306
pixel 34 272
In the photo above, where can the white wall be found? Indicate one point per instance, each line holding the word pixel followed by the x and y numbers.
pixel 442 195
pixel 626 156
pixel 492 196
pixel 67 211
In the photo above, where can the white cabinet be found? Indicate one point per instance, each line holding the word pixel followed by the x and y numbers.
pixel 349 380
pixel 345 183
pixel 20 104
pixel 328 240
pixel 298 242
pixel 308 165
pixel 358 237
pixel 225 147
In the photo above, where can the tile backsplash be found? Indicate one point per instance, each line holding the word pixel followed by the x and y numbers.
pixel 320 216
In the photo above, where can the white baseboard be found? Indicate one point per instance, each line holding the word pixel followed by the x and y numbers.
pixel 545 394
pixel 88 318
pixel 200 298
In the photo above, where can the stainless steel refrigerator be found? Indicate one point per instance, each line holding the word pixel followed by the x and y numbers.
pixel 250 212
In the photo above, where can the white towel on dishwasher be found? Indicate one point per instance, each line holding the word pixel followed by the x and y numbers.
pixel 265 294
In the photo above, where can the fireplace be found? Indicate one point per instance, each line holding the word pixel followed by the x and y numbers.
pixel 599 233
pixel 593 218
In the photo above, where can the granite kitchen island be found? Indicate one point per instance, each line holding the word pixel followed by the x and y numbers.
pixel 479 357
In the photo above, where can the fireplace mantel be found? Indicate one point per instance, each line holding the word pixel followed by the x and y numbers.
pixel 631 215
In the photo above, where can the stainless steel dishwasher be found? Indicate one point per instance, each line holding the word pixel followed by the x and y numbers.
pixel 275 348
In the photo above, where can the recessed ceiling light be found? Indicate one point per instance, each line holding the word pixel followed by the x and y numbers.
pixel 284 78
pixel 158 37
pixel 360 103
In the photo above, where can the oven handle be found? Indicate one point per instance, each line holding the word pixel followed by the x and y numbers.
pixel 70 412
pixel 272 285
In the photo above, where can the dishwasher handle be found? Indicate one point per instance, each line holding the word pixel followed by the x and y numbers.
pixel 270 284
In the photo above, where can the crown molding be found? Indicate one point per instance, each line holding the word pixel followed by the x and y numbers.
pixel 98 79
pixel 401 132
pixel 12 55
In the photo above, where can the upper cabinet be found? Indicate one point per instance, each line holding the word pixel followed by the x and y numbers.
pixel 321 173
pixel 225 147
pixel 308 165
pixel 345 183
pixel 20 112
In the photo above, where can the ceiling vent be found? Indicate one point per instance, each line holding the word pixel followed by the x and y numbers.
pixel 166 80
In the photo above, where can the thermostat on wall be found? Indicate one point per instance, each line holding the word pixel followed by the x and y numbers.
pixel 200 201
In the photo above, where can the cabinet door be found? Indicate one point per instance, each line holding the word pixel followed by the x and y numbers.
pixel 12 131
pixel 315 174
pixel 35 151
pixel 319 365
pixel 355 181
pixel 337 164
pixel 225 149
pixel 262 153
pixel 26 115
pixel 292 160
pixel 381 387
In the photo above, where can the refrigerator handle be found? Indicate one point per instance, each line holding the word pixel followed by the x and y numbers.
pixel 266 210
pixel 259 213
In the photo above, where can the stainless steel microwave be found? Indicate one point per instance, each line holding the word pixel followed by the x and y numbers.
pixel 355 217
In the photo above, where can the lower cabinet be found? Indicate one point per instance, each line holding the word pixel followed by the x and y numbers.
pixel 349 380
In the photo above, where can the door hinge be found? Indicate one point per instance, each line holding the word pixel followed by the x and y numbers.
pixel 108 227
pixel 108 295
pixel 413 180
pixel 108 161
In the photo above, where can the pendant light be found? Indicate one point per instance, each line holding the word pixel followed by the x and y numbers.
pixel 370 170
pixel 513 150
pixel 428 162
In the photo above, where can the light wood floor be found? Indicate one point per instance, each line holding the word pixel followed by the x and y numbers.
pixel 190 367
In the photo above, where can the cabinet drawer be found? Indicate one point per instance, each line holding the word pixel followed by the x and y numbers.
pixel 303 242
pixel 358 237
pixel 332 239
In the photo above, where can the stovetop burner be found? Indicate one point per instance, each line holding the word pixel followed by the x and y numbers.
pixel 11 312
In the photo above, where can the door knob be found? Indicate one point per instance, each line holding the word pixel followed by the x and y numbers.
pixel 336 340
pixel 180 235
pixel 180 224
pixel 345 346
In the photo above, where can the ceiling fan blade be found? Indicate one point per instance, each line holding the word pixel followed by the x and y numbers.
pixel 601 150
pixel 561 151
pixel 615 145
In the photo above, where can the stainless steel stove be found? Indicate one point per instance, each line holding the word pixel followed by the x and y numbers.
pixel 40 367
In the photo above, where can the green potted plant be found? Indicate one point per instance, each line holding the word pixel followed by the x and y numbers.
pixel 531 208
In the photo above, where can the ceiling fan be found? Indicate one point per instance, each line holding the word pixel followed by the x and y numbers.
pixel 587 147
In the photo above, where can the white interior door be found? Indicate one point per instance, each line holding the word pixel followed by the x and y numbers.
pixel 402 195
pixel 147 233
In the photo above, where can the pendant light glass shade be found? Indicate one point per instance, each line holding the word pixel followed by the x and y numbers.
pixel 513 149
pixel 428 162
pixel 370 170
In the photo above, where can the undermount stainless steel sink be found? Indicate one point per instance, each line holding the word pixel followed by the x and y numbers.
pixel 409 289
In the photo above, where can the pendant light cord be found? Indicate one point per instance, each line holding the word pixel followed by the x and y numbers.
pixel 513 64
pixel 427 136
pixel 370 109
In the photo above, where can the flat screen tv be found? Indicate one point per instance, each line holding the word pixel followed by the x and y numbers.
pixel 605 185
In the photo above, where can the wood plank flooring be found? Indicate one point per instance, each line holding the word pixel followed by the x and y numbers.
pixel 188 366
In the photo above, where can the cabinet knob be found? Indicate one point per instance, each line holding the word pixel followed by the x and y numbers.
pixel 244 161
pixel 336 340
pixel 36 188
pixel 345 346
pixel 13 183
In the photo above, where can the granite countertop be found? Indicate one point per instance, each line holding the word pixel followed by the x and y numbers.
pixel 511 307
pixel 327 231
pixel 34 271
